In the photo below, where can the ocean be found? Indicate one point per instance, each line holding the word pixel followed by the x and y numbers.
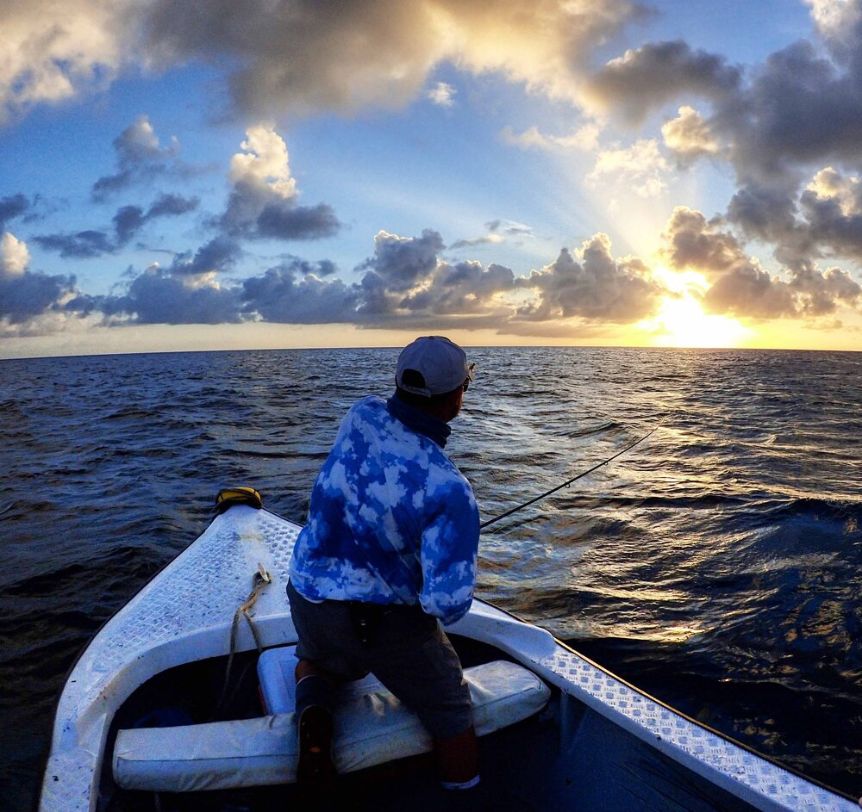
pixel 717 565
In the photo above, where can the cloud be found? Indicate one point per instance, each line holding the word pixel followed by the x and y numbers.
pixel 219 254
pixel 692 242
pixel 163 296
pixel 25 296
pixel 14 256
pixel 130 219
pixel 824 219
pixel 831 208
pixel 648 77
pixel 54 51
pixel 82 245
pixel 509 228
pixel 402 262
pixel 442 94
pixel 170 205
pixel 28 295
pixel 460 289
pixel 487 239
pixel 11 207
pixel 597 287
pixel 498 232
pixel 292 294
pixel 386 49
pixel 689 137
pixel 748 290
pixel 262 202
pixel 820 293
pixel 584 139
pixel 640 168
pixel 800 109
pixel 126 223
pixel 140 156
pixel 737 283
pixel 838 25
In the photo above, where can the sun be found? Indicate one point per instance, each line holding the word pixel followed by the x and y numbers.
pixel 681 322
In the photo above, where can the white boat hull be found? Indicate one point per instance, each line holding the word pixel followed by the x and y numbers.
pixel 185 615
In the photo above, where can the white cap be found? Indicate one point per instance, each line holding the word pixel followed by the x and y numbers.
pixel 434 366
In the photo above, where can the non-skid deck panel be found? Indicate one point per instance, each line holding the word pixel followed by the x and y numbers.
pixel 194 598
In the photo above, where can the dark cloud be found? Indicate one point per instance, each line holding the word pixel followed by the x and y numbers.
pixel 820 293
pixel 598 287
pixel 832 226
pixel 158 296
pixel 126 223
pixel 320 269
pixel 692 242
pixel 798 110
pixel 657 73
pixel 28 295
pixel 170 205
pixel 255 212
pixel 279 296
pixel 219 254
pixel 131 219
pixel 140 156
pixel 283 222
pixel 738 285
pixel 11 207
pixel 282 52
pixel 83 245
pixel 399 264
pixel 464 288
pixel 747 290
pixel 824 220
pixel 402 262
pixel 795 114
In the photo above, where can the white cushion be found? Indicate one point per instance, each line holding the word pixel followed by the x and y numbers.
pixel 275 671
pixel 371 728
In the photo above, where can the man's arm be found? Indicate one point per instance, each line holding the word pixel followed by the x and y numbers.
pixel 448 554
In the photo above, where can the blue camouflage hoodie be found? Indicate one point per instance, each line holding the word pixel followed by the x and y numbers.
pixel 391 520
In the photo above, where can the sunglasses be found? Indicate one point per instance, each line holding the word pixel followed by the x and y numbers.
pixel 471 369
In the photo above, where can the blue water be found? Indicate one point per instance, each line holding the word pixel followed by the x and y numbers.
pixel 718 564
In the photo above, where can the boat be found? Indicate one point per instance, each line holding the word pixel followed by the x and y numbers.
pixel 183 700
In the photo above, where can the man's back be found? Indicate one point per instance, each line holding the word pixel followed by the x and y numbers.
pixel 391 520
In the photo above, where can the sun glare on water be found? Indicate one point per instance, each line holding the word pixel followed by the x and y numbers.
pixel 681 322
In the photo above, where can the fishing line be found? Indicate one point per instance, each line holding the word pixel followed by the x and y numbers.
pixel 568 481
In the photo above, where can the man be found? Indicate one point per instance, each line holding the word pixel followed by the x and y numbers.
pixel 389 551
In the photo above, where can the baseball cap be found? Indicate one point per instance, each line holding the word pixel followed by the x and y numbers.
pixel 434 366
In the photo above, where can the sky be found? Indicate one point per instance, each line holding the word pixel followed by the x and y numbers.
pixel 311 173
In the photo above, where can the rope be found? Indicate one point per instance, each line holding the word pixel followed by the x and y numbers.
pixel 261 579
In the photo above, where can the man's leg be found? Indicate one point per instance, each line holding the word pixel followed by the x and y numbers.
pixel 314 723
pixel 458 760
pixel 415 660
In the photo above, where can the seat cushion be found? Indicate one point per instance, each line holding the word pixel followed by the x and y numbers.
pixel 371 727
pixel 275 672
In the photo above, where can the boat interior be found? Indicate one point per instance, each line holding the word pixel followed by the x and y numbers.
pixel 564 756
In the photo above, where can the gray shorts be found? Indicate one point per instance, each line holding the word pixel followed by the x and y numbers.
pixel 405 649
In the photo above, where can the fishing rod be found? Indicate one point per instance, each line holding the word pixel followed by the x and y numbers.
pixel 568 481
